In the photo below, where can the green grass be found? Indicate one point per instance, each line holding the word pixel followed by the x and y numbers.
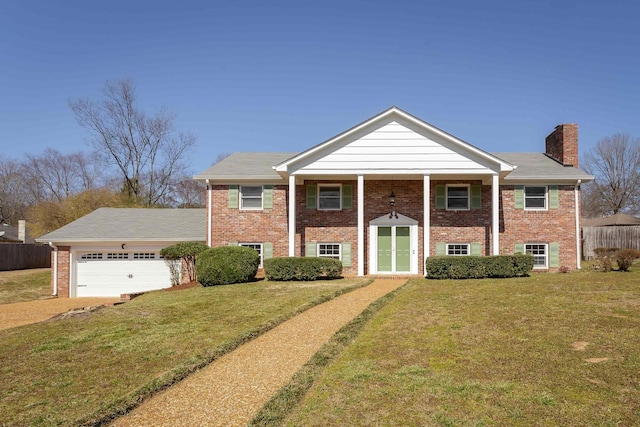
pixel 87 369
pixel 24 285
pixel 550 349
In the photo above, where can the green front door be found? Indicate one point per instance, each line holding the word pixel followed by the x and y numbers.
pixel 403 249
pixel 384 249
pixel 394 249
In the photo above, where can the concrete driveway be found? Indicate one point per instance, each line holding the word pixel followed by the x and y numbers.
pixel 24 313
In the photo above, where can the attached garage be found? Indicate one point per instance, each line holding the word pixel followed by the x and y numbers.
pixel 115 251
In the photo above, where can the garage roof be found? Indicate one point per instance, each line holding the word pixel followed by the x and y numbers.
pixel 133 224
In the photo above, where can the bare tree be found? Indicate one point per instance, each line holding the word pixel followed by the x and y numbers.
pixel 615 164
pixel 56 176
pixel 188 193
pixel 13 204
pixel 148 153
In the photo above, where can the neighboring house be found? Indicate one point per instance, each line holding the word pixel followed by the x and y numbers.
pixel 11 234
pixel 620 231
pixel 114 251
pixel 365 195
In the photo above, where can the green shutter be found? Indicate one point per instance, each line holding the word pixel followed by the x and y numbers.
pixel 311 196
pixel 554 255
pixel 519 196
pixel 232 244
pixel 441 197
pixel 267 250
pixel 267 196
pixel 519 248
pixel 553 197
pixel 347 196
pixel 346 254
pixel 476 197
pixel 310 249
pixel 441 249
pixel 233 197
pixel 476 249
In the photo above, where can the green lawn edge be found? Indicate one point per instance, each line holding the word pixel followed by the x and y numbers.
pixel 276 410
pixel 112 411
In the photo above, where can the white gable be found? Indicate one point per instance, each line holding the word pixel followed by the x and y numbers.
pixel 394 143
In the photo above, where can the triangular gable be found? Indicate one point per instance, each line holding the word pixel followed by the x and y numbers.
pixel 393 142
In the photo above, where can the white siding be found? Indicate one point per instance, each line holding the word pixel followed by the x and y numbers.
pixel 395 147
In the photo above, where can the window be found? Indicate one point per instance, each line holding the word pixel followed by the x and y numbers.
pixel 458 197
pixel 457 249
pixel 329 197
pixel 539 252
pixel 91 256
pixel 257 247
pixel 117 255
pixel 535 198
pixel 251 197
pixel 329 250
pixel 144 255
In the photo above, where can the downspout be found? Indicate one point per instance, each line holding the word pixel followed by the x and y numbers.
pixel 208 214
pixel 578 240
pixel 55 269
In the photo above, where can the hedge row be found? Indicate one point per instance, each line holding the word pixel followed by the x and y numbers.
pixel 477 267
pixel 297 268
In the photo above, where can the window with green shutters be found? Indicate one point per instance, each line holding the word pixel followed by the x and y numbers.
pixel 335 250
pixel 250 197
pixel 458 196
pixel 536 197
pixel 329 196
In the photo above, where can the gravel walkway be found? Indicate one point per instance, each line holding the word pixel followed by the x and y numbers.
pixel 231 390
pixel 24 313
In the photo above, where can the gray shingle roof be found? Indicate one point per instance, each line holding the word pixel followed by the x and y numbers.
pixel 118 224
pixel 537 166
pixel 250 166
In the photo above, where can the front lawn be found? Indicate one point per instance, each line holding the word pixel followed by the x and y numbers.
pixel 25 285
pixel 550 349
pixel 86 368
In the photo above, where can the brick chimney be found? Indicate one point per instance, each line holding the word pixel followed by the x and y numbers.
pixel 562 144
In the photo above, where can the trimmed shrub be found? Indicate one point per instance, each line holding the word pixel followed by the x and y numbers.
pixel 302 268
pixel 181 255
pixel 626 257
pixel 227 264
pixel 475 267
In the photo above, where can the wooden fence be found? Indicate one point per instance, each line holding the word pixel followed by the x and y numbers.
pixel 20 256
pixel 621 237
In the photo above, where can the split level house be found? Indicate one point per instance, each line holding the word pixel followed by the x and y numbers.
pixel 382 197
pixel 393 190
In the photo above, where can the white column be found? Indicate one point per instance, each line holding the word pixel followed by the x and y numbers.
pixel 292 215
pixel 209 191
pixel 360 225
pixel 495 214
pixel 426 230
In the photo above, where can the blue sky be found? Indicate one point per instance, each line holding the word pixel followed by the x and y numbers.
pixel 286 75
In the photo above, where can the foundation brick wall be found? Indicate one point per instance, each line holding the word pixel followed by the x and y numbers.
pixel 517 226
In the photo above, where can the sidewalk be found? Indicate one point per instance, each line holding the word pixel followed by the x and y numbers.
pixel 231 390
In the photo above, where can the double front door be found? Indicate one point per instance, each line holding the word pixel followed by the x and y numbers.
pixel 394 249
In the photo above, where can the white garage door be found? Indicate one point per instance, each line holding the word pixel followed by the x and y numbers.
pixel 102 274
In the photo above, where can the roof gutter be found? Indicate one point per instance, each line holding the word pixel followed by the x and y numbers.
pixel 578 240
pixel 55 269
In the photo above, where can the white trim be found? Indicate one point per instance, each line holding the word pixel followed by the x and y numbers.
pixel 339 245
pixel 446 195
pixel 385 221
pixel 576 190
pixel 292 215
pixel 55 269
pixel 249 244
pixel 495 214
pixel 360 225
pixel 328 184
pixel 426 229
pixel 209 216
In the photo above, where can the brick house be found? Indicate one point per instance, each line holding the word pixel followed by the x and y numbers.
pixel 365 196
